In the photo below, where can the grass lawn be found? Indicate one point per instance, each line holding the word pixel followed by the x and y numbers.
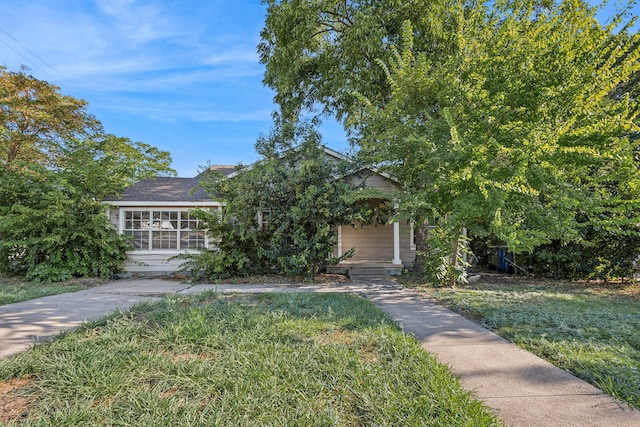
pixel 590 330
pixel 16 289
pixel 245 360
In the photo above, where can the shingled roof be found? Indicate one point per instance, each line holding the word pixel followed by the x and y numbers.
pixel 164 189
pixel 169 189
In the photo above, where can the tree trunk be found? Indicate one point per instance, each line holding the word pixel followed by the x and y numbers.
pixel 422 247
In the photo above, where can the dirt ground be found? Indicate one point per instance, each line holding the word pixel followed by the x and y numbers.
pixel 12 405
pixel 276 279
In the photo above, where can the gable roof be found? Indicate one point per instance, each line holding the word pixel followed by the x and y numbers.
pixel 174 191
pixel 168 190
pixel 163 189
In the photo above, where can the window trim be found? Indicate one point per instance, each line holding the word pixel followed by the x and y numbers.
pixel 262 224
pixel 412 235
pixel 152 211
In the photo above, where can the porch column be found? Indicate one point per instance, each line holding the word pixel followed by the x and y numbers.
pixel 396 243
pixel 465 257
pixel 339 241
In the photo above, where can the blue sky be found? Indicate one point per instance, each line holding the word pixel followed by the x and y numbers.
pixel 183 76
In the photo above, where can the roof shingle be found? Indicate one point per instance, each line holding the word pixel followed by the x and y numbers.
pixel 164 189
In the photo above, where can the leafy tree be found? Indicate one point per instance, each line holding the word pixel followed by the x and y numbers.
pixel 36 120
pixel 496 117
pixel 49 233
pixel 104 165
pixel 280 213
pixel 317 53
pixel 56 166
pixel 514 135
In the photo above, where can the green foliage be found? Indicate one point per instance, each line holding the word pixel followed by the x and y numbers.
pixel 55 167
pixel 281 212
pixel 517 120
pixel 441 266
pixel 49 235
pixel 233 252
pixel 514 134
pixel 317 53
pixel 599 255
pixel 104 165
pixel 36 119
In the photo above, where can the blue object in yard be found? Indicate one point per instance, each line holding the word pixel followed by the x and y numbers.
pixel 502 259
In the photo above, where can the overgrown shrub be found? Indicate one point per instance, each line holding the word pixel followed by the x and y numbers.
pixel 604 256
pixel 50 234
pixel 280 214
pixel 56 164
pixel 232 253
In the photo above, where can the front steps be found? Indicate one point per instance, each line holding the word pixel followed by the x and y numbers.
pixel 367 271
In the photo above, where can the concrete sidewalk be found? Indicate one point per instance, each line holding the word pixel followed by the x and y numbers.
pixel 524 389
pixel 24 323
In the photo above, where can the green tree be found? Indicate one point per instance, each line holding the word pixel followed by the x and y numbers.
pixel 56 166
pixel 497 117
pixel 515 134
pixel 104 165
pixel 36 120
pixel 280 213
pixel 49 232
pixel 317 53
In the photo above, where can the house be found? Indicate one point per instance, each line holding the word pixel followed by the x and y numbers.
pixel 155 212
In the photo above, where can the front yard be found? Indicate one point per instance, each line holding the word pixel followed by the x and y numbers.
pixel 591 330
pixel 245 360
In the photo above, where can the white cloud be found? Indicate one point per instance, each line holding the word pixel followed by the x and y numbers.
pixel 115 7
pixel 125 39
pixel 143 65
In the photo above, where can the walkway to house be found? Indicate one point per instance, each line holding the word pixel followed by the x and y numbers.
pixel 524 389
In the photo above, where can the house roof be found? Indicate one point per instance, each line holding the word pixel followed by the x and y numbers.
pixel 175 191
pixel 163 189
pixel 168 189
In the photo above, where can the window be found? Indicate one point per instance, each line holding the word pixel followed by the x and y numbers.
pixel 163 229
pixel 191 236
pixel 412 237
pixel 264 220
pixel 414 234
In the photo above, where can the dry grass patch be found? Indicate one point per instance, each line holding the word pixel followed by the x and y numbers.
pixel 15 399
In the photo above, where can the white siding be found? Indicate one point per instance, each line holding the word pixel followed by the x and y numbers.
pixel 114 217
pixel 149 262
pixel 407 255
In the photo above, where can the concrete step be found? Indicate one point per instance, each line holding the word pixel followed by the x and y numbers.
pixel 372 272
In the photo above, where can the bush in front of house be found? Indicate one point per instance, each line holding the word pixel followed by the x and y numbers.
pixel 280 213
